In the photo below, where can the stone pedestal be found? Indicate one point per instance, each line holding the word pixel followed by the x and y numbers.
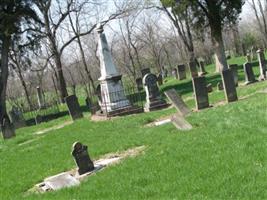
pixel 181 70
pixel 193 69
pixel 262 64
pixel 249 74
pixel 112 92
pixel 234 69
pixel 153 98
pixel 229 85
pixel 201 92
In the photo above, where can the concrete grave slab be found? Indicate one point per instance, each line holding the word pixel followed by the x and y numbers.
pixel 180 123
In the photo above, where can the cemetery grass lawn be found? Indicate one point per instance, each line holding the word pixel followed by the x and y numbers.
pixel 224 156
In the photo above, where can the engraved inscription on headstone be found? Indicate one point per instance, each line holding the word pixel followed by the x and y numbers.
pixel 249 74
pixel 201 93
pixel 81 157
pixel 177 101
pixel 74 107
pixel 229 86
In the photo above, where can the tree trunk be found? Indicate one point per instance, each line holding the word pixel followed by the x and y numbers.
pixel 4 76
pixel 216 35
pixel 62 83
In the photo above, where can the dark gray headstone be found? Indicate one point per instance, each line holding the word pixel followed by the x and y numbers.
pixel 262 64
pixel 229 85
pixel 8 130
pixel 177 101
pixel 249 74
pixel 201 92
pixel 74 107
pixel 202 70
pixel 181 69
pixel 17 118
pixel 81 157
pixel 139 84
pixel 193 69
pixel 234 68
pixel 145 71
pixel 153 98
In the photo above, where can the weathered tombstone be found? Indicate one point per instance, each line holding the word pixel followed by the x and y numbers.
pixel 177 101
pixel 220 86
pixel 160 79
pixel 73 107
pixel 175 73
pixel 153 98
pixel 193 69
pixel 8 130
pixel 249 74
pixel 139 84
pixel 200 92
pixel 262 64
pixel 229 85
pixel 145 71
pixel 180 123
pixel 40 98
pixel 181 72
pixel 209 88
pixel 202 70
pixel 38 119
pixel 234 69
pixel 81 157
pixel 17 118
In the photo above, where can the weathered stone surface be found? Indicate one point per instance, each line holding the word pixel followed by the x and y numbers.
pixel 234 69
pixel 249 74
pixel 220 86
pixel 153 98
pixel 262 64
pixel 81 157
pixel 202 70
pixel 177 101
pixel 139 84
pixel 74 107
pixel 8 130
pixel 200 92
pixel 60 181
pixel 145 71
pixel 209 88
pixel 181 69
pixel 229 85
pixel 193 69
pixel 180 123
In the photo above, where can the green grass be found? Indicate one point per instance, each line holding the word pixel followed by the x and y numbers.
pixel 223 157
